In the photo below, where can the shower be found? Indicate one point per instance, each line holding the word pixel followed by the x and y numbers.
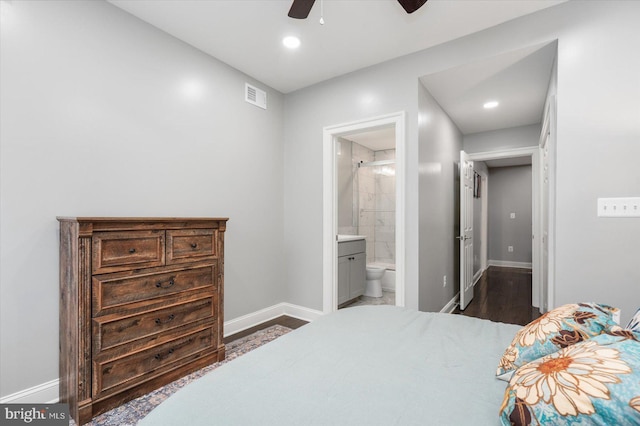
pixel 374 205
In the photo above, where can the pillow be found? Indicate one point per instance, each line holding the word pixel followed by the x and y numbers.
pixel 634 324
pixel 592 382
pixel 554 330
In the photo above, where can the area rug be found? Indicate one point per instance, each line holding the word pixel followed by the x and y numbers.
pixel 130 413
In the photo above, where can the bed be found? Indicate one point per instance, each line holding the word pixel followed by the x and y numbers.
pixel 374 365
pixel 383 365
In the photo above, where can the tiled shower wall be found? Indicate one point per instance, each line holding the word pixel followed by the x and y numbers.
pixel 373 202
pixel 365 197
pixel 385 196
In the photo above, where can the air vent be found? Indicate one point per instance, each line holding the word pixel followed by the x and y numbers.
pixel 255 96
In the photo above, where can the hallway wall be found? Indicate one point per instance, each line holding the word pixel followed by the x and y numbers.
pixel 509 193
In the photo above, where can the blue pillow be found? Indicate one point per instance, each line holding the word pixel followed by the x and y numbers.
pixel 596 381
pixel 556 329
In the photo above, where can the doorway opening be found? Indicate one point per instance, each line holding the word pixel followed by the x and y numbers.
pixel 356 220
pixel 513 158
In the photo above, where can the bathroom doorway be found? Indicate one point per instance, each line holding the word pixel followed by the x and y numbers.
pixel 366 176
pixel 363 200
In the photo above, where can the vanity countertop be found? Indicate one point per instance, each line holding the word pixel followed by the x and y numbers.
pixel 342 238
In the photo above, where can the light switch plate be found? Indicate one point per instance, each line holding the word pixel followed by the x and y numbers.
pixel 619 207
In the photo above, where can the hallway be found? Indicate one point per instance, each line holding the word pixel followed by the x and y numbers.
pixel 503 295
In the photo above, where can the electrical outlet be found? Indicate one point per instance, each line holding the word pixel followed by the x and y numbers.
pixel 444 281
pixel 510 249
pixel 619 207
pixel 512 215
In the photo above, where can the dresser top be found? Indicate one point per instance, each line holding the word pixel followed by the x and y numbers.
pixel 140 219
pixel 88 225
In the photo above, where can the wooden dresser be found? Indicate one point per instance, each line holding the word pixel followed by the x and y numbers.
pixel 141 305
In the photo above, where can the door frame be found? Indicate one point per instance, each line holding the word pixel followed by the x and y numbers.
pixel 330 202
pixel 536 213
pixel 548 137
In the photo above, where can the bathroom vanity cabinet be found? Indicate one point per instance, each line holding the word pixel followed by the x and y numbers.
pixel 352 269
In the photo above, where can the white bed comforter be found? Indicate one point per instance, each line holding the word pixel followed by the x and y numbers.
pixel 370 365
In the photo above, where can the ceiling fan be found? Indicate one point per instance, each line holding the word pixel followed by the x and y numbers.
pixel 300 8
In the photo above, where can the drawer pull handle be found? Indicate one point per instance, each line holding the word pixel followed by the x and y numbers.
pixel 132 250
pixel 160 357
pixel 194 245
pixel 168 320
pixel 169 284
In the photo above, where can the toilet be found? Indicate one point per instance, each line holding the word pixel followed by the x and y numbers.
pixel 374 286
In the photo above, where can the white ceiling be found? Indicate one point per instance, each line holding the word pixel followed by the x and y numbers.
pixel 518 80
pixel 247 34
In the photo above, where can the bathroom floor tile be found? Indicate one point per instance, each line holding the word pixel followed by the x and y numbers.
pixel 388 298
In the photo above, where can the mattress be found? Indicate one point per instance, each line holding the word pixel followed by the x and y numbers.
pixel 373 365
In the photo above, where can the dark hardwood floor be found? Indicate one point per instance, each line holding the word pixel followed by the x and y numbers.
pixel 284 320
pixel 503 295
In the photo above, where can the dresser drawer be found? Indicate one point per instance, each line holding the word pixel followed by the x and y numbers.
pixel 113 330
pixel 188 245
pixel 117 290
pixel 119 251
pixel 136 367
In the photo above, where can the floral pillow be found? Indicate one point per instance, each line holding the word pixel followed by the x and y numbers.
pixel 556 329
pixel 593 382
pixel 634 324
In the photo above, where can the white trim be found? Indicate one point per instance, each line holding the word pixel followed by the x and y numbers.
pixel 510 264
pixel 329 195
pixel 44 393
pixel 549 126
pixel 451 306
pixel 255 318
pixel 301 312
pixel 536 212
pixel 477 276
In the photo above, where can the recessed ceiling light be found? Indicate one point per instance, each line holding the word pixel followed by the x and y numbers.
pixel 291 42
pixel 490 104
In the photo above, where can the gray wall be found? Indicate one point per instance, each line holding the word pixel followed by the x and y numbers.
pixel 103 115
pixel 439 179
pixel 594 39
pixel 383 89
pixel 509 191
pixel 503 139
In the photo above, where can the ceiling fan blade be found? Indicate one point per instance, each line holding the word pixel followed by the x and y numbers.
pixel 411 5
pixel 300 8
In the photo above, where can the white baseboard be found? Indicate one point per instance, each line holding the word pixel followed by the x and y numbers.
pixel 250 320
pixel 508 264
pixel 45 393
pixel 449 307
pixel 48 393
pixel 477 276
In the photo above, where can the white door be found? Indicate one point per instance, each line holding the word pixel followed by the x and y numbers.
pixel 545 222
pixel 466 229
